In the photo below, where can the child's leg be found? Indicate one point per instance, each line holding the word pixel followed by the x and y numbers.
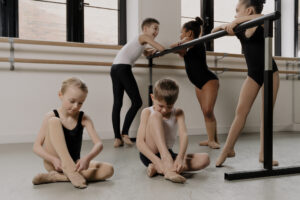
pixel 207 97
pixel 132 90
pixel 155 140
pixel 247 96
pixel 98 171
pixel 196 161
pixel 118 92
pixel 275 91
pixel 55 142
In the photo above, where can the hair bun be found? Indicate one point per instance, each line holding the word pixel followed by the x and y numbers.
pixel 199 21
pixel 260 1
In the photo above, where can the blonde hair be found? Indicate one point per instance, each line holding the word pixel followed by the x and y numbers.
pixel 166 90
pixel 74 82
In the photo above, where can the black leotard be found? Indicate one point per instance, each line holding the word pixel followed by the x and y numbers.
pixel 196 66
pixel 254 50
pixel 73 137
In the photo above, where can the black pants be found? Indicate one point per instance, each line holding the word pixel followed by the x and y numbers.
pixel 123 80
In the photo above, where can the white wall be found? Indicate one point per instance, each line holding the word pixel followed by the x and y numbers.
pixel 31 90
pixel 170 19
pixel 287 27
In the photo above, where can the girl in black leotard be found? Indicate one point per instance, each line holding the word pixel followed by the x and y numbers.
pixel 206 83
pixel 252 41
pixel 59 141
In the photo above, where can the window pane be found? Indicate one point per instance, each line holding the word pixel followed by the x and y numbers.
pixel 227 44
pixel 101 21
pixel 298 28
pixel 113 4
pixel 101 26
pixel 224 10
pixel 189 10
pixel 42 20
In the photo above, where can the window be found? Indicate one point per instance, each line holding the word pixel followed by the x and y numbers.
pixel 46 20
pixel 42 20
pixel 298 30
pixel 101 21
pixel 189 10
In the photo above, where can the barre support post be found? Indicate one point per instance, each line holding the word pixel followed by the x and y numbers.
pixel 268 97
pixel 150 64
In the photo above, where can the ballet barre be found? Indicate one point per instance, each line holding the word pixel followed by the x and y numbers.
pixel 267 20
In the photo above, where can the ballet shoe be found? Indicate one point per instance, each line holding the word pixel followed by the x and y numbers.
pixel 151 171
pixel 174 177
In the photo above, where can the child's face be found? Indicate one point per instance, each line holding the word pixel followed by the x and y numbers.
pixel 162 107
pixel 72 99
pixel 242 10
pixel 185 33
pixel 152 30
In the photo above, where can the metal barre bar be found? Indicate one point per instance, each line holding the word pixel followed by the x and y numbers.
pixel 243 26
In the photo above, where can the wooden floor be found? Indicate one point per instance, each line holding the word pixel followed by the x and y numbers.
pixel 19 165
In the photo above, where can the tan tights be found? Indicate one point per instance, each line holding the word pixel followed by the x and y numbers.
pixel 55 144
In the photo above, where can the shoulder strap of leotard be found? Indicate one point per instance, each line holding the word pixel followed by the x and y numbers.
pixel 80 117
pixel 56 113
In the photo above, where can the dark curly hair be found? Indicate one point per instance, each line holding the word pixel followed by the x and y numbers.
pixel 195 26
pixel 258 5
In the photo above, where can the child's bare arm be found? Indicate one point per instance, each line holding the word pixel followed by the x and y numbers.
pixel 183 51
pixel 149 51
pixel 39 141
pixel 141 137
pixel 183 141
pixel 97 148
pixel 230 26
pixel 183 138
pixel 145 39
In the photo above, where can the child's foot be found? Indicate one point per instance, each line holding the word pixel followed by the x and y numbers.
pixel 50 177
pixel 213 145
pixel 118 143
pixel 76 179
pixel 127 140
pixel 151 171
pixel 223 156
pixel 274 162
pixel 231 154
pixel 204 143
pixel 174 177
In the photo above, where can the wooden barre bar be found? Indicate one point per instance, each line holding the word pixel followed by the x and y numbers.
pixel 64 44
pixel 95 63
pixel 117 47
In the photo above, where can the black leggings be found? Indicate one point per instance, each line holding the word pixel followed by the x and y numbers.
pixel 123 80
